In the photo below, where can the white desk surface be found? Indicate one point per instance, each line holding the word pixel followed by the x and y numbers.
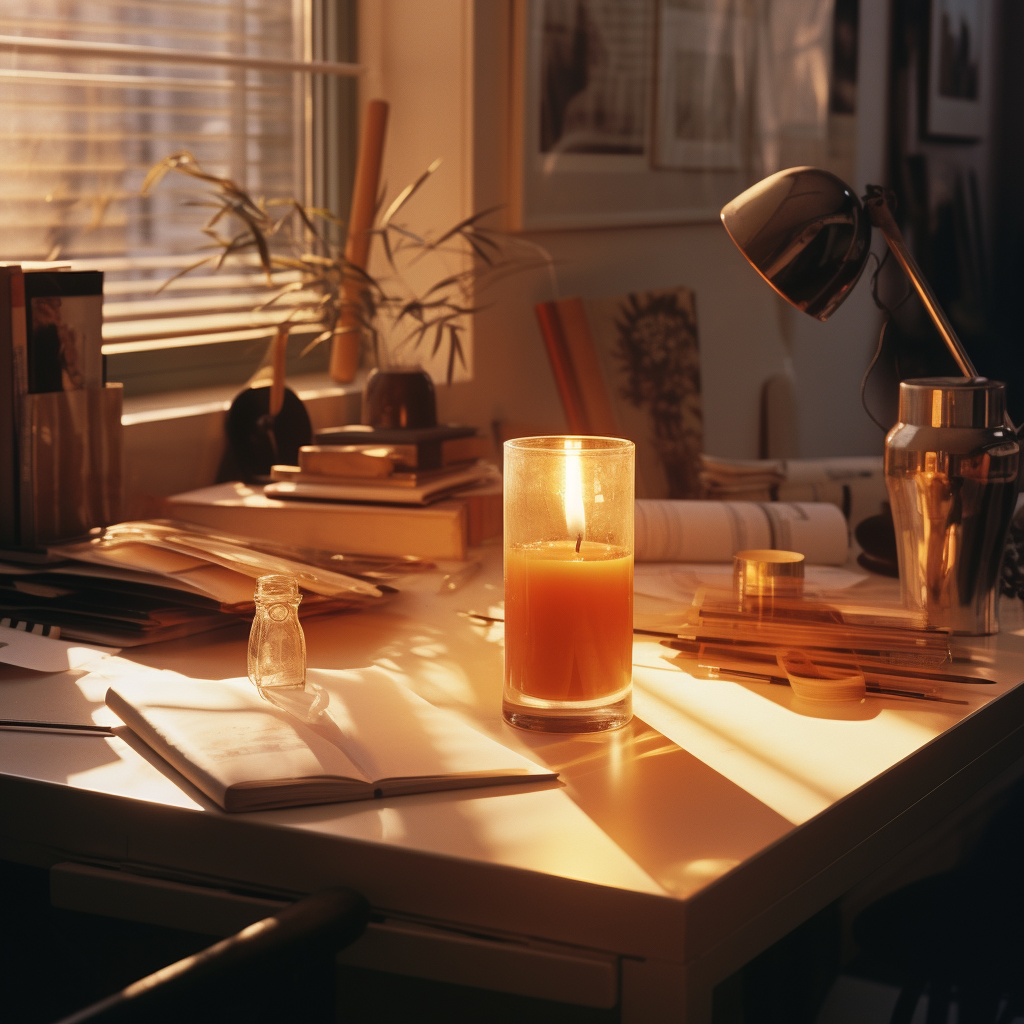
pixel 714 823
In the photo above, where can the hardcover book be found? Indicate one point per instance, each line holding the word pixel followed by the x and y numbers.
pixel 630 367
pixel 64 315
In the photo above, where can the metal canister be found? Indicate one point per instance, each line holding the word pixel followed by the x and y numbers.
pixel 951 473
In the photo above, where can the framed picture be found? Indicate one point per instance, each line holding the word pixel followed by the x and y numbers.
pixel 701 114
pixel 582 134
pixel 958 51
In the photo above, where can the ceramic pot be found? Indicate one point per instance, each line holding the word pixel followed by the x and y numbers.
pixel 399 398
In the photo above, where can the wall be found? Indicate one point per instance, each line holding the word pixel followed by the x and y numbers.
pixel 444 66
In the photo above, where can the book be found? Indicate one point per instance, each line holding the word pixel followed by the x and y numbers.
pixel 414 448
pixel 713 531
pixel 378 491
pixel 13 384
pixel 70 447
pixel 346 460
pixel 360 433
pixel 432 531
pixel 629 367
pixel 64 321
pixel 399 478
pixel 380 461
pixel 377 738
pixel 549 316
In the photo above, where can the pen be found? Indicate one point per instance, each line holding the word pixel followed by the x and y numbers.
pixel 727 652
pixel 637 632
pixel 19 725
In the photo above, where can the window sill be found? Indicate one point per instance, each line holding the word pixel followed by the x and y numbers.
pixel 312 388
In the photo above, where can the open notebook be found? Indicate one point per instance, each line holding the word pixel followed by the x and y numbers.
pixel 377 738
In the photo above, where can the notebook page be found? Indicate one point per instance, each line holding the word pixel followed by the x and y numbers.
pixel 222 733
pixel 393 733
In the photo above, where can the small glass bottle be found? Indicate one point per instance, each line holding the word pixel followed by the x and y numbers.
pixel 277 647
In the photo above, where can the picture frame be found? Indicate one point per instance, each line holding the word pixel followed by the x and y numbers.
pixel 701 90
pixel 567 172
pixel 954 84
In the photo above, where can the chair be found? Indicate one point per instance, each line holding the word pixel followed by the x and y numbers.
pixel 278 969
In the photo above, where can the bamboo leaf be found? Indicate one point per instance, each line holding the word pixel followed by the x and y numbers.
pixel 453 341
pixel 313 344
pixel 408 192
pixel 438 338
pixel 462 225
pixel 486 257
pixel 182 273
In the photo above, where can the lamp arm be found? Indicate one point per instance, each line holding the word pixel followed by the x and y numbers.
pixel 876 202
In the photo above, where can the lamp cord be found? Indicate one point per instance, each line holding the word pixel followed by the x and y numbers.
pixel 888 311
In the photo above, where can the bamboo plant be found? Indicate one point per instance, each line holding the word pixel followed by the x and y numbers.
pixel 396 320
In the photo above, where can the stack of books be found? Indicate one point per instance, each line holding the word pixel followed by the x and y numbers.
pixel 421 467
pixel 60 424
pixel 412 492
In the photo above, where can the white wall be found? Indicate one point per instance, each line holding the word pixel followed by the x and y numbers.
pixel 444 66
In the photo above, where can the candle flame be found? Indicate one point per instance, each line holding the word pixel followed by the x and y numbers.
pixel 575 520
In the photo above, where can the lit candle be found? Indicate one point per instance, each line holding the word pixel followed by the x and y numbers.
pixel 568 583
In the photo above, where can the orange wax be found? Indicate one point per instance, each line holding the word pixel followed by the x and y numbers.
pixel 568 620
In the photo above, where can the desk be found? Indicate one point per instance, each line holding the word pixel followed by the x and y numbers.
pixel 673 851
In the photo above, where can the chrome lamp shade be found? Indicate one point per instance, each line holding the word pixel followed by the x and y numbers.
pixel 805 232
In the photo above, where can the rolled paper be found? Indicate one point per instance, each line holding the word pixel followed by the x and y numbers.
pixel 713 531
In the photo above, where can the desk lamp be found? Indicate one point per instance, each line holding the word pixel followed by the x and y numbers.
pixel 808 235
pixel 952 489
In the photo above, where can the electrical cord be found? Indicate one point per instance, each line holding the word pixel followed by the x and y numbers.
pixel 888 311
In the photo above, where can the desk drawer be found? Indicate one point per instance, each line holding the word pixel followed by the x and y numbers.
pixel 542 971
pixel 520 967
pixel 191 908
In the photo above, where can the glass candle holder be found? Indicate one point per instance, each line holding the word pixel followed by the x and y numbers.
pixel 568 583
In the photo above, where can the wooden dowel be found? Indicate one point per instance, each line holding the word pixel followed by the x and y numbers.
pixel 278 355
pixel 360 222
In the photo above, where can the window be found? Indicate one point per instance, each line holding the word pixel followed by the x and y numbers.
pixel 82 121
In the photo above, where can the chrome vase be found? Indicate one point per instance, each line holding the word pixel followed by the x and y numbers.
pixel 951 472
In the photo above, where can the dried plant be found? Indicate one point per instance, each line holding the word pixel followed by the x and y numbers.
pixel 394 318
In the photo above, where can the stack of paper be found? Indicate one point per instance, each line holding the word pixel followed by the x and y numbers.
pixel 855 484
pixel 137 583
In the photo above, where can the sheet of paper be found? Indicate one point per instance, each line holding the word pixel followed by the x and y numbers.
pixel 45 654
pixel 393 733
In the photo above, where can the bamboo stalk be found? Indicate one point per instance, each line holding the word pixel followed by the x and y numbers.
pixel 357 246
pixel 278 355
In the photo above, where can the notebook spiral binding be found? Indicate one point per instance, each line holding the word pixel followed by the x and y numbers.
pixel 38 628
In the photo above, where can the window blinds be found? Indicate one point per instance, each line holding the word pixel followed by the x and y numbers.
pixel 93 92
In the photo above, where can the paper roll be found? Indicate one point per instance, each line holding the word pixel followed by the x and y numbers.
pixel 713 531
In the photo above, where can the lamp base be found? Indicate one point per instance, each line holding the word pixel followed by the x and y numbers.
pixel 570 716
